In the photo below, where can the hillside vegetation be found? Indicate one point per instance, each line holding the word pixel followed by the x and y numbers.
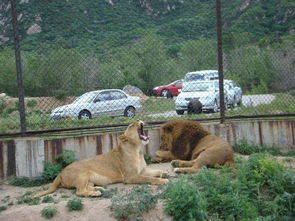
pixel 72 46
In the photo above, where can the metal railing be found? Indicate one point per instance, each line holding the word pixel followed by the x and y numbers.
pixel 63 86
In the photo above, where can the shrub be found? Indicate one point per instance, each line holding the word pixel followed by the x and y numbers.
pixel 51 170
pixel 2 208
pixel 48 199
pixel 109 193
pixel 49 212
pixel 32 103
pixel 27 182
pixel 185 202
pixel 66 158
pixel 26 198
pixel 132 204
pixel 75 204
pixel 261 189
pixel 147 158
pixel 2 105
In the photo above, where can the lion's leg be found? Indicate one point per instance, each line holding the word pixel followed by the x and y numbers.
pixel 182 163
pixel 141 179
pixel 154 173
pixel 186 170
pixel 163 156
pixel 209 157
pixel 85 187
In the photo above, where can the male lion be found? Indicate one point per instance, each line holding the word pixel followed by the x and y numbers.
pixel 124 163
pixel 190 147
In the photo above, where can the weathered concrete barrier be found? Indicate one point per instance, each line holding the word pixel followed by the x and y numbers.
pixel 25 156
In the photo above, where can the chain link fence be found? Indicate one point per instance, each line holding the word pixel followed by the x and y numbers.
pixel 132 69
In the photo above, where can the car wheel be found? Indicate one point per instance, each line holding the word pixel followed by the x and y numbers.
pixel 164 92
pixel 215 107
pixel 180 112
pixel 84 115
pixel 129 112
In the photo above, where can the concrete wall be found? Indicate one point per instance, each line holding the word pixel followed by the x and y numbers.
pixel 25 156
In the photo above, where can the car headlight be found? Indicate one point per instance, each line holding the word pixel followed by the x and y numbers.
pixel 156 88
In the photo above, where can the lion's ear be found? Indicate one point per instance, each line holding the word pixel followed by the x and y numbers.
pixel 123 138
pixel 168 128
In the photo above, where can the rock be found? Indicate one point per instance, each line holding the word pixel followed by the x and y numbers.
pixel 3 95
pixel 129 89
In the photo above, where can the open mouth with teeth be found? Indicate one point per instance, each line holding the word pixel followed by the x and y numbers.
pixel 141 133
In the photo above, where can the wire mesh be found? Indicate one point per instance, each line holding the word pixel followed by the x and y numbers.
pixel 135 60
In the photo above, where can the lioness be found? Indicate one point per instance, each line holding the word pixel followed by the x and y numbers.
pixel 124 164
pixel 190 147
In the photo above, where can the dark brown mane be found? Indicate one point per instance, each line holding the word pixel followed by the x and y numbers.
pixel 186 134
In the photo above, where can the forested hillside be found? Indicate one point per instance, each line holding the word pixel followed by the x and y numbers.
pixel 99 24
pixel 110 43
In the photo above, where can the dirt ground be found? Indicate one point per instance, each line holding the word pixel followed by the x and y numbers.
pixel 96 209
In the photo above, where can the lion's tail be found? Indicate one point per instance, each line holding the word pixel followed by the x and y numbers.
pixel 53 187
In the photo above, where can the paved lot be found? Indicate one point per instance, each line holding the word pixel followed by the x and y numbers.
pixel 247 100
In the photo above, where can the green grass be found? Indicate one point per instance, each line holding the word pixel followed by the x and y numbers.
pixel 243 147
pixel 259 189
pixel 49 212
pixel 131 205
pixel 75 204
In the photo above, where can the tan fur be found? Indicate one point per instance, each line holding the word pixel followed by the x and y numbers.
pixel 124 164
pixel 191 147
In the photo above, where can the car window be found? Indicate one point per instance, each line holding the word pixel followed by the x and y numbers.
pixel 117 95
pixel 178 83
pixel 104 96
pixel 194 77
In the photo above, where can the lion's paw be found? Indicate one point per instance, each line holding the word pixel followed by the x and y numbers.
pixel 177 170
pixel 95 194
pixel 164 181
pixel 175 163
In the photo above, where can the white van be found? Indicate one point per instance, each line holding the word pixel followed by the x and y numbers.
pixel 201 75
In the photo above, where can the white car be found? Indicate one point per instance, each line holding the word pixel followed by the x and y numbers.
pixel 111 102
pixel 234 93
pixel 207 92
pixel 201 75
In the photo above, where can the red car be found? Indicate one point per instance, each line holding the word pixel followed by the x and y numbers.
pixel 168 90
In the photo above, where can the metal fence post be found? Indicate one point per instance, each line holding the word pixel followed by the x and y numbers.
pixel 220 59
pixel 19 72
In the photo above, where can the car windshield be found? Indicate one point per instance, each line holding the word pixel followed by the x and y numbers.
pixel 204 86
pixel 194 77
pixel 85 98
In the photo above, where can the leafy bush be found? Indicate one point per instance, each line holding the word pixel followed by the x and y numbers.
pixel 48 199
pixel 27 182
pixel 75 204
pixel 133 204
pixel 262 189
pixel 148 158
pixel 185 202
pixel 243 147
pixel 49 212
pixel 2 208
pixel 2 105
pixel 51 170
pixel 27 198
pixel 32 103
pixel 66 158
pixel 109 193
